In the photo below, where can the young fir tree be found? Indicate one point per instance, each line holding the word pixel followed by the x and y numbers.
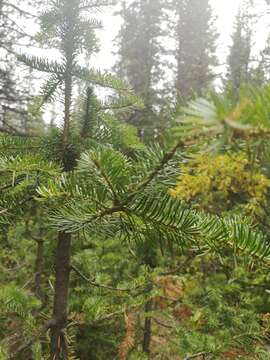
pixel 66 26
pixel 140 57
pixel 195 50
pixel 239 59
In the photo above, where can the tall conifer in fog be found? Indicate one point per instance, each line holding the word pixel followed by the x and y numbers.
pixel 239 59
pixel 139 55
pixel 265 60
pixel 13 93
pixel 195 45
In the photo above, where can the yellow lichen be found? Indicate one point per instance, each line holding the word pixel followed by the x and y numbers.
pixel 218 183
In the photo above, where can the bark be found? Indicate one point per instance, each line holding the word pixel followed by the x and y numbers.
pixel 59 349
pixel 68 95
pixel 87 123
pixel 147 328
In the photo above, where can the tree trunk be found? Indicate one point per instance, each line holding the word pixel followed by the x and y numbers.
pixel 59 348
pixel 39 269
pixel 147 328
pixel 68 96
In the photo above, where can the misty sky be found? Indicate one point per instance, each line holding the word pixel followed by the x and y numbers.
pixel 225 10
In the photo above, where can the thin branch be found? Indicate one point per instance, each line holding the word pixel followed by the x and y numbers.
pixel 194 356
pixel 251 285
pixel 104 213
pixel 96 6
pixel 171 272
pixel 112 315
pixel 166 158
pixel 21 11
pixel 108 317
pixel 100 285
pixel 20 30
pixel 107 180
pixel 37 239
pixel 49 324
pixel 15 132
pixel 162 324
pixel 116 107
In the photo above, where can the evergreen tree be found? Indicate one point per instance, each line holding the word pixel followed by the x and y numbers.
pixel 265 59
pixel 66 25
pixel 13 94
pixel 140 57
pixel 239 59
pixel 262 71
pixel 195 50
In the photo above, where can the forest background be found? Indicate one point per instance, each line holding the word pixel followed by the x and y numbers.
pixel 134 179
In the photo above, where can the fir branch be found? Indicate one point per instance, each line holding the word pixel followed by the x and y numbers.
pixel 106 80
pixel 166 158
pixel 42 64
pixel 107 180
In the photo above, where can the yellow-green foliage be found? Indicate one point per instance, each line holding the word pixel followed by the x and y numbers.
pixel 3 353
pixel 218 183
